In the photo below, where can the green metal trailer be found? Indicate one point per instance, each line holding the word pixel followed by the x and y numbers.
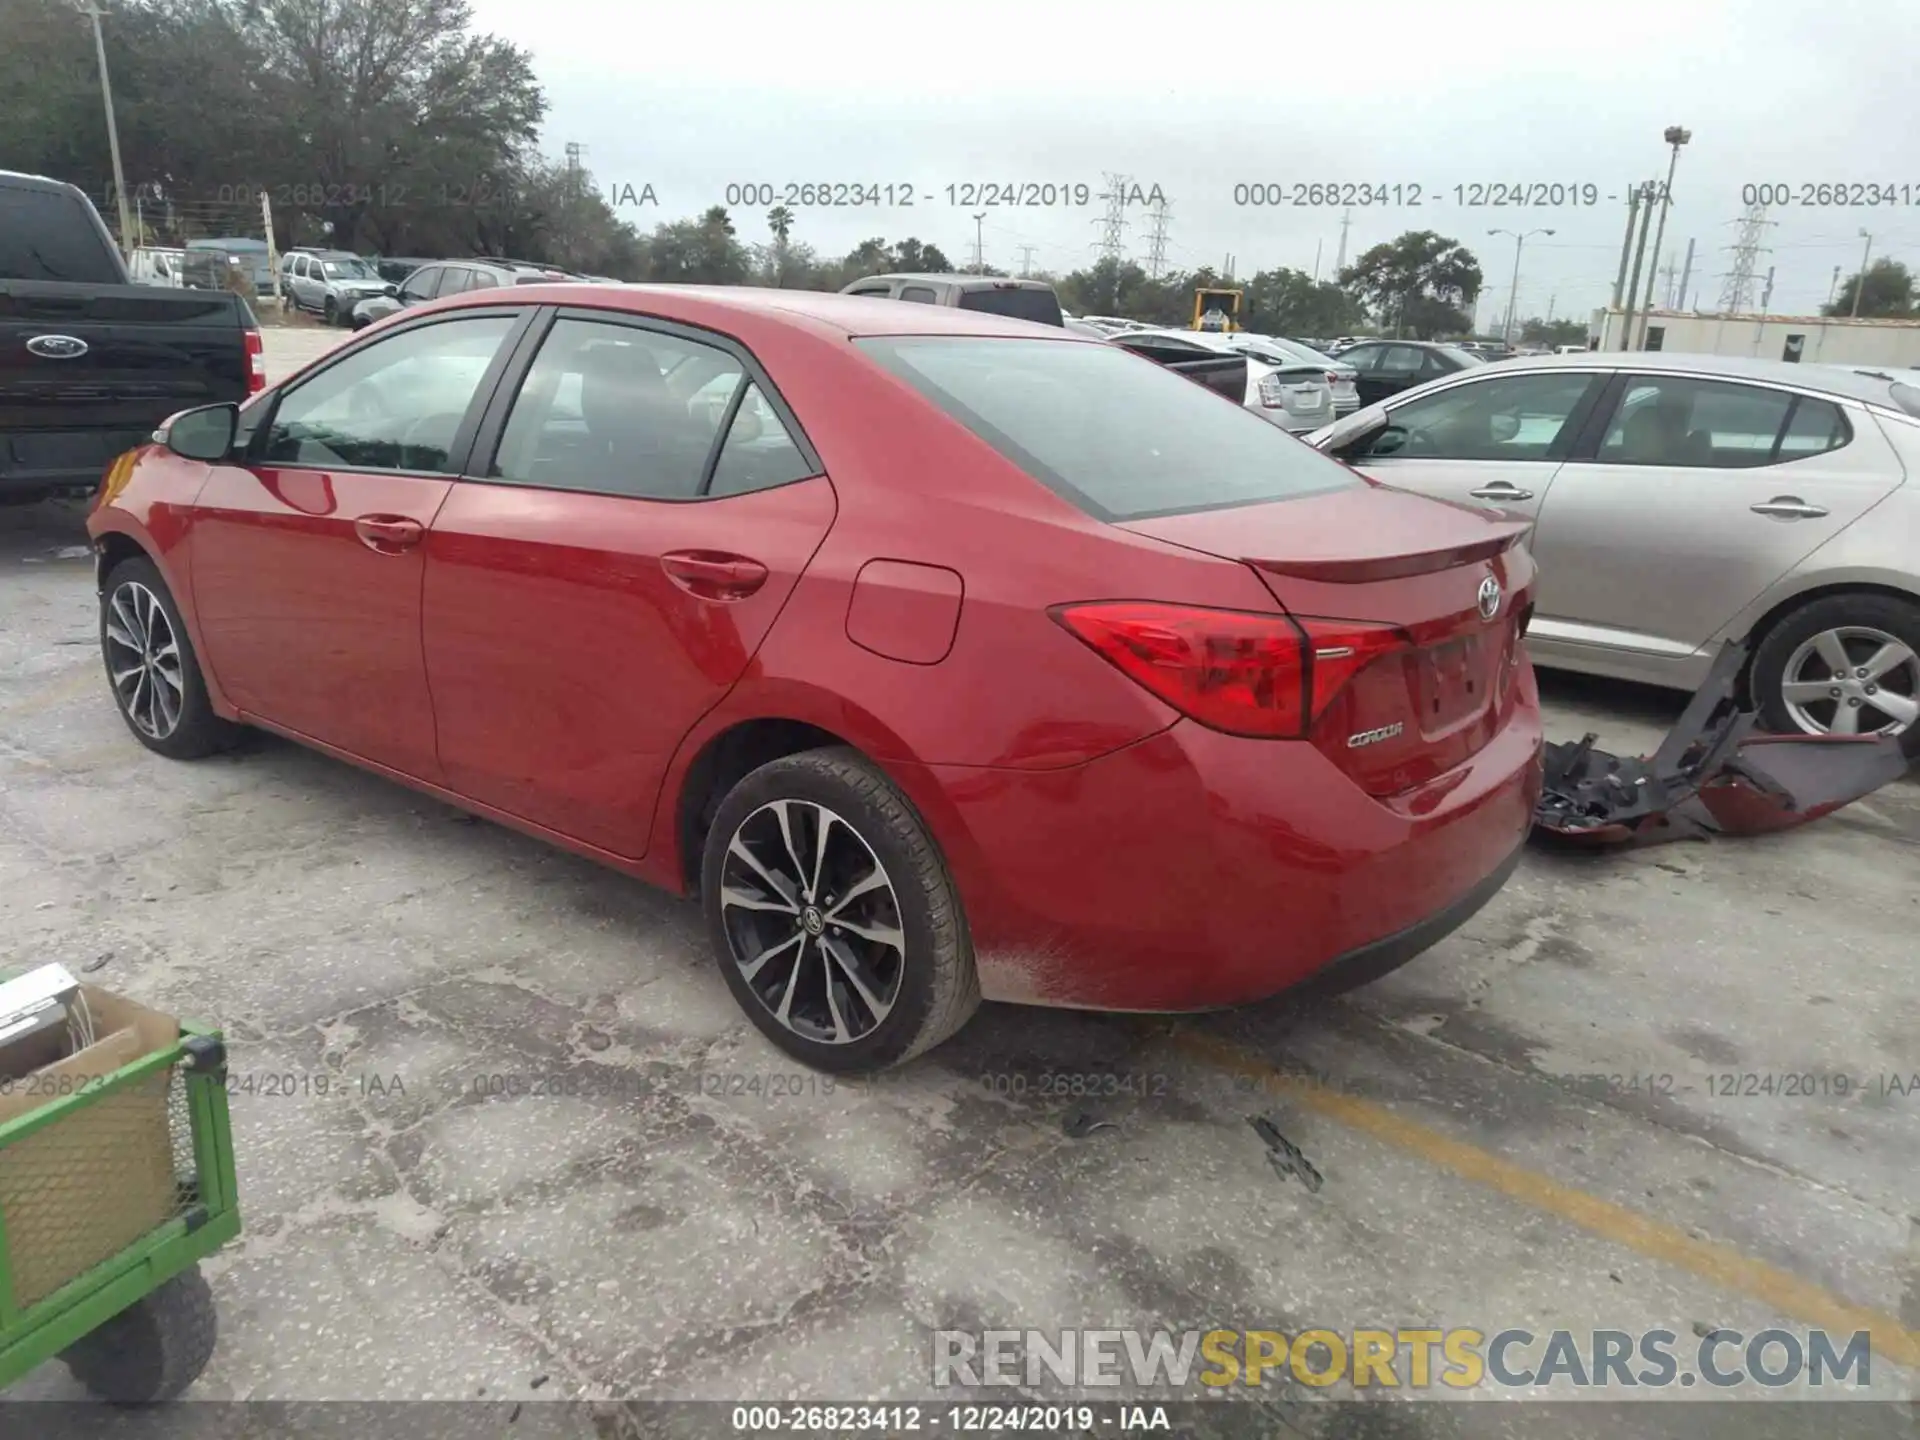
pixel 138 1324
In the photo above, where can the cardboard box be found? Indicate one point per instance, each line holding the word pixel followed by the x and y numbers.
pixel 79 1191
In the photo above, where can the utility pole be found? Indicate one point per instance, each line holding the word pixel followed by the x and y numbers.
pixel 979 245
pixel 1859 283
pixel 1686 274
pixel 1114 223
pixel 1157 241
pixel 273 254
pixel 1626 248
pixel 1833 287
pixel 1639 255
pixel 1513 295
pixel 92 10
pixel 1026 260
pixel 1552 300
pixel 1737 293
pixel 1766 292
pixel 1675 137
pixel 1318 246
pixel 1340 260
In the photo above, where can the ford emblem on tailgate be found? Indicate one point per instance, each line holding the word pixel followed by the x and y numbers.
pixel 1489 598
pixel 57 347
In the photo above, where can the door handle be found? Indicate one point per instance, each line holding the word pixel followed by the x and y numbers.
pixel 1501 490
pixel 388 534
pixel 714 574
pixel 1788 507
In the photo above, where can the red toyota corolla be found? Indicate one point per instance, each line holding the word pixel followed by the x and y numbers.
pixel 944 656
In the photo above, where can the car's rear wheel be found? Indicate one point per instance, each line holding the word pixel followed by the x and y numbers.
pixel 832 914
pixel 152 668
pixel 1844 665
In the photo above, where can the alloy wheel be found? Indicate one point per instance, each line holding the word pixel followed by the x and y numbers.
pixel 812 921
pixel 143 660
pixel 1852 680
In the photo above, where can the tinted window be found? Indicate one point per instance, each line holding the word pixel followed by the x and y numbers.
pixel 1669 420
pixel 1517 417
pixel 48 235
pixel 1402 360
pixel 1364 358
pixel 1117 438
pixel 395 404
pixel 597 412
pixel 880 290
pixel 920 295
pixel 1020 303
pixel 421 283
pixel 759 453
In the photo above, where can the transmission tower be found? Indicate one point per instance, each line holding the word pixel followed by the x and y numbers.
pixel 1114 223
pixel 1736 296
pixel 1157 240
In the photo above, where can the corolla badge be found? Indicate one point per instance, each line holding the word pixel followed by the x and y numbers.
pixel 1489 598
pixel 57 347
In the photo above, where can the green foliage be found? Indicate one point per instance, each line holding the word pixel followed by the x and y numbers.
pixel 1421 284
pixel 1885 293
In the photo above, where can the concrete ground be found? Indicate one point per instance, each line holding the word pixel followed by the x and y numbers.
pixel 1543 1123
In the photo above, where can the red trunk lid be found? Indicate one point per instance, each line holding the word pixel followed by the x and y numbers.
pixel 1427 696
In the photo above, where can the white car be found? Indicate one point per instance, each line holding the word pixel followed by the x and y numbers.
pixel 1294 394
pixel 157 265
pixel 1278 350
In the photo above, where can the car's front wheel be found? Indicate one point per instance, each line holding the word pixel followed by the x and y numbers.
pixel 1843 665
pixel 832 914
pixel 332 311
pixel 152 668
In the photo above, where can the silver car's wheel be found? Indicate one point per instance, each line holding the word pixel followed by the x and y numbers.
pixel 1852 680
pixel 143 660
pixel 812 922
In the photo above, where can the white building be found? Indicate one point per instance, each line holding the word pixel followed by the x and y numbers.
pixel 1811 339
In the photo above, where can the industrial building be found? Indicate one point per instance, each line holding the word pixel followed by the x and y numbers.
pixel 1811 339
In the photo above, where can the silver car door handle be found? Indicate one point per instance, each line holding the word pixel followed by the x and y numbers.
pixel 1789 507
pixel 1501 491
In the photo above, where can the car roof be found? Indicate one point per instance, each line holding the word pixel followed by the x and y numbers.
pixel 823 311
pixel 1847 381
pixel 976 282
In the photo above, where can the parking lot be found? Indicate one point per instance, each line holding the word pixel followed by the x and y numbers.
pixel 1546 1122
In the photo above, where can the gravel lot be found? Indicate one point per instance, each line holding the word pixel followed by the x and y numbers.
pixel 671 1227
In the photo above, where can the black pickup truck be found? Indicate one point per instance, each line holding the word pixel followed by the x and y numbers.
pixel 90 363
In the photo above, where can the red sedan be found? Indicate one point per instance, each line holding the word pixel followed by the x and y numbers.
pixel 942 655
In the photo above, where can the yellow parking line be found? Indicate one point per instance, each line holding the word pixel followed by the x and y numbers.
pixel 1720 1264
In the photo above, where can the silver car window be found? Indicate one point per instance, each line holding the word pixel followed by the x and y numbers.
pixel 1717 424
pixel 1516 417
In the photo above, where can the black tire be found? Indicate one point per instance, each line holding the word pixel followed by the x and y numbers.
pixel 154 1349
pixel 935 988
pixel 1888 614
pixel 330 309
pixel 196 731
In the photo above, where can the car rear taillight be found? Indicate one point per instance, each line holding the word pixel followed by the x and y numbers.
pixel 256 363
pixel 1271 392
pixel 1332 378
pixel 1264 676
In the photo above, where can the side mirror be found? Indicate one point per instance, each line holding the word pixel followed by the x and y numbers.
pixel 203 434
pixel 392 291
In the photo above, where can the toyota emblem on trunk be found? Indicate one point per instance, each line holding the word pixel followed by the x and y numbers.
pixel 57 347
pixel 1489 598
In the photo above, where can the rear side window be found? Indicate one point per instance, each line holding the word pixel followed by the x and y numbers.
pixel 1111 433
pixel 1018 303
pixel 920 295
pixel 48 235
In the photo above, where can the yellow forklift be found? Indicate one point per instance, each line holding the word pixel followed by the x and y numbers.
pixel 1217 310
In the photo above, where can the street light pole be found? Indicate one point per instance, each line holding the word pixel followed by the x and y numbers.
pixel 113 130
pixel 979 245
pixel 1513 294
pixel 1860 280
pixel 1675 136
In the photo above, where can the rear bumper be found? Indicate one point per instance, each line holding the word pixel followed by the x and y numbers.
pixel 1196 870
pixel 33 462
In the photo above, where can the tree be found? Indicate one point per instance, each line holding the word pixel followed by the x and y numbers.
pixel 1290 302
pixel 780 222
pixel 1886 292
pixel 1559 332
pixel 1422 281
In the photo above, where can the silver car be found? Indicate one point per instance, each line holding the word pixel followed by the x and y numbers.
pixel 329 282
pixel 1294 394
pixel 1680 501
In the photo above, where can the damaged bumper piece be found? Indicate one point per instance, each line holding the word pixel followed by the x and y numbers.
pixel 1711 775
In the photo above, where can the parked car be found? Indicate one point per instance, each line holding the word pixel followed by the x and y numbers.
pixel 1571 349
pixel 329 282
pixel 1344 342
pixel 1340 375
pixel 1387 367
pixel 989 294
pixel 843 656
pixel 245 254
pixel 89 361
pixel 156 265
pixel 1679 501
pixel 394 269
pixel 442 278
pixel 1294 394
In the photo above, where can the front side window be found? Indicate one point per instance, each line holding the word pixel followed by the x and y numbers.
pixel 421 283
pixel 1516 417
pixel 395 404
pixel 1119 439
pixel 598 413
pixel 1717 424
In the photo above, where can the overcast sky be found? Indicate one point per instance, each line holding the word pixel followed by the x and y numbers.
pixel 692 98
